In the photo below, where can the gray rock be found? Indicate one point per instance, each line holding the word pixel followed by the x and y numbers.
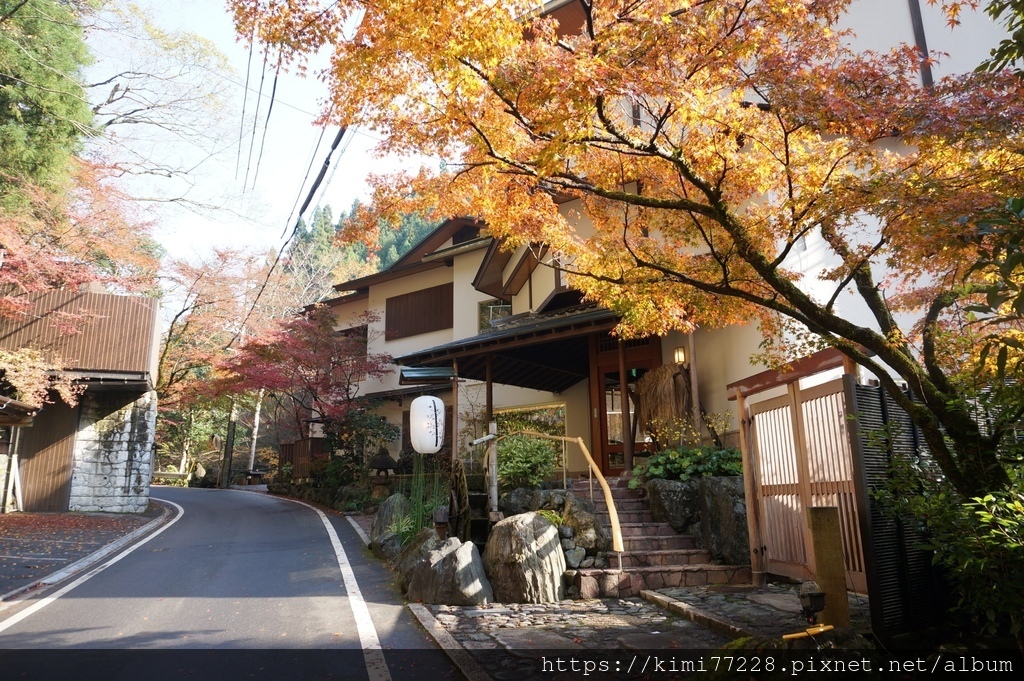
pixel 517 501
pixel 711 509
pixel 390 509
pixel 451 574
pixel 587 562
pixel 386 545
pixel 578 514
pixel 723 512
pixel 573 557
pixel 565 532
pixel 568 545
pixel 422 543
pixel 524 560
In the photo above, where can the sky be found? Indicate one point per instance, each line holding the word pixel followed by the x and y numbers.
pixel 255 200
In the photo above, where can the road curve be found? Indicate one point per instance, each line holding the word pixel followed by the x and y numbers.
pixel 236 573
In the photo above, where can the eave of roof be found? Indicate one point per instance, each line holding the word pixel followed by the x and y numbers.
pixel 528 328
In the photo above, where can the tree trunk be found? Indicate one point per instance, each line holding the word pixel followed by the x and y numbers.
pixel 255 429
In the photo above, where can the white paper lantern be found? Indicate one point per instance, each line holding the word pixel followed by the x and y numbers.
pixel 426 424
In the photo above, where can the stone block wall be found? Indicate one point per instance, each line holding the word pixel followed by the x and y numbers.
pixel 113 463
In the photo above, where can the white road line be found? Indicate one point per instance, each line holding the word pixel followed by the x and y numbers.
pixel 39 605
pixel 359 529
pixel 373 656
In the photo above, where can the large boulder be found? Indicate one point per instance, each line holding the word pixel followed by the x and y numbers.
pixel 392 508
pixel 524 560
pixel 451 574
pixel 421 544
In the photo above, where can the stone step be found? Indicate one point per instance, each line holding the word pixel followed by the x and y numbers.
pixel 617 493
pixel 663 543
pixel 613 483
pixel 627 516
pixel 647 530
pixel 621 505
pixel 667 557
pixel 612 583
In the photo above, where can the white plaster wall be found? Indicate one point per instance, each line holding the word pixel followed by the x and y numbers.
pixel 880 25
pixel 113 457
pixel 467 299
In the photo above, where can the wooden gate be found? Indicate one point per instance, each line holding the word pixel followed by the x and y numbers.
pixel 799 456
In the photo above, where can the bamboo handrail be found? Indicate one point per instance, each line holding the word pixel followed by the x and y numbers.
pixel 613 516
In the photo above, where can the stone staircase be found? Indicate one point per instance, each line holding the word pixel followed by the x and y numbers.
pixel 655 556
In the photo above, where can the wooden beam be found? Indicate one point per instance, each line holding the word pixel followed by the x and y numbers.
pixel 801 368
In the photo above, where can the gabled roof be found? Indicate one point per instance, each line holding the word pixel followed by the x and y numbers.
pixel 424 256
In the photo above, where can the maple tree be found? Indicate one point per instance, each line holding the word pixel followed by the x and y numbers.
pixel 706 143
pixel 318 370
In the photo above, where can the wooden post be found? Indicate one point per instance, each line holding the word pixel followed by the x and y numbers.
pixel 455 412
pixel 698 422
pixel 757 561
pixel 803 466
pixel 830 567
pixel 492 473
pixel 627 430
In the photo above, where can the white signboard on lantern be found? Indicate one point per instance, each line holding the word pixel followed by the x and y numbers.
pixel 426 424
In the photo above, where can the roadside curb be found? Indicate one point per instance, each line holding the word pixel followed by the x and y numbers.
pixel 458 655
pixel 717 624
pixel 95 557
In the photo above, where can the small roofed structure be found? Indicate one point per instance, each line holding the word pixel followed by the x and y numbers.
pixel 96 455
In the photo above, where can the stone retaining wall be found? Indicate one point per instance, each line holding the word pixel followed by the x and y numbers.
pixel 113 459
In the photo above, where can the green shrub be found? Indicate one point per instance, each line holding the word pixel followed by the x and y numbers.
pixel 683 464
pixel 524 461
pixel 979 543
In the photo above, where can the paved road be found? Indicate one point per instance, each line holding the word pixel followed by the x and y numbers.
pixel 234 574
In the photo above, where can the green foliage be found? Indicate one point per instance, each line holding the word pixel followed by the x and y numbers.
pixel 979 543
pixel 1009 53
pixel 402 526
pixel 394 243
pixel 547 420
pixel 43 110
pixel 686 463
pixel 524 461
pixel 340 470
pixel 553 517
pixel 285 474
pixel 426 493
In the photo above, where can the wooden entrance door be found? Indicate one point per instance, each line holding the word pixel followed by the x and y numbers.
pixel 610 395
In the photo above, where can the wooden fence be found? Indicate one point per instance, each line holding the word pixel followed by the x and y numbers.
pixel 300 455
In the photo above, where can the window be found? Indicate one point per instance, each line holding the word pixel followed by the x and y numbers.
pixel 418 312
pixel 491 311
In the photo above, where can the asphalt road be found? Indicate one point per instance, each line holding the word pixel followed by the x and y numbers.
pixel 241 585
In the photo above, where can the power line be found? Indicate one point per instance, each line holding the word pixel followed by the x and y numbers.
pixel 295 230
pixel 245 100
pixel 266 124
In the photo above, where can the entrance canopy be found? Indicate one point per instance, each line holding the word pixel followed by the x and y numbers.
pixel 548 351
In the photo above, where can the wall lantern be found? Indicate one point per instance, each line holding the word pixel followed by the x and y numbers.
pixel 426 424
pixel 679 355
